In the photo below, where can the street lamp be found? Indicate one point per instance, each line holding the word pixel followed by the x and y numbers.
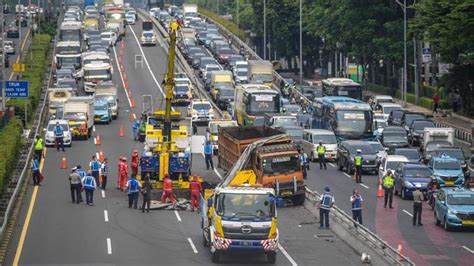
pixel 404 81
pixel 301 43
pixel 264 29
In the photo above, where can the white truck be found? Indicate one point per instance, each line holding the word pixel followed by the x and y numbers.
pixel 190 10
pixel 79 111
pixel 108 92
pixel 434 138
pixel 94 73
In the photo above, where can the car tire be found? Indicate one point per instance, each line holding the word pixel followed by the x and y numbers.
pixel 298 200
pixel 446 225
pixel 438 222
pixel 348 169
pixel 404 197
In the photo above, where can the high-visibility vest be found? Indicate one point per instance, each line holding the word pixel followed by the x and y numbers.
pixel 95 165
pixel 326 200
pixel 321 150
pixel 388 181
pixel 133 185
pixel 89 182
pixel 59 131
pixel 358 160
pixel 39 144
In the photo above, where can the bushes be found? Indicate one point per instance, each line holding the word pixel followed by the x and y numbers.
pixel 10 141
pixel 36 62
pixel 224 22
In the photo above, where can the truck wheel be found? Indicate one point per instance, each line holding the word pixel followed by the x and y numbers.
pixel 298 199
pixel 216 257
pixel 271 258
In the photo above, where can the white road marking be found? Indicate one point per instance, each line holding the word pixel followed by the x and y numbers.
pixel 103 193
pixel 215 168
pixel 93 128
pixel 96 155
pixel 121 78
pixel 95 141
pixel 192 245
pixel 177 215
pixel 347 175
pixel 109 246
pixel 363 185
pixel 332 165
pixel 106 215
pixel 290 259
pixel 408 213
pixel 468 249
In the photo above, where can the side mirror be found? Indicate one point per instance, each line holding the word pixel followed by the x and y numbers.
pixel 209 202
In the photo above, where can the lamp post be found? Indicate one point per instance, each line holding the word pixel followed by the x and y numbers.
pixel 264 29
pixel 301 43
pixel 404 80
pixel 3 58
pixel 237 13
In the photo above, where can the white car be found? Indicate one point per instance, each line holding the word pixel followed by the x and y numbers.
pixel 148 38
pixel 130 18
pixel 49 136
pixel 391 162
pixel 201 111
pixel 9 47
pixel 110 37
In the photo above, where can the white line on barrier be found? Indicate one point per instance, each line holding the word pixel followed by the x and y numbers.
pixel 109 246
pixel 408 213
pixel 192 245
pixel 468 249
pixel 177 215
pixel 290 259
pixel 363 185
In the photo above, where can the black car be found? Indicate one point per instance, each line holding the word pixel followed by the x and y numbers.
pixel 416 130
pixel 408 117
pixel 196 59
pixel 13 32
pixel 346 152
pixel 394 137
pixel 454 152
pixel 6 61
pixel 412 154
pixel 232 59
pixel 395 117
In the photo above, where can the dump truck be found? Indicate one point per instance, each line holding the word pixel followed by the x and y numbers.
pixel 240 214
pixel 213 128
pixel 260 72
pixel 79 111
pixel 276 164
pixel 56 99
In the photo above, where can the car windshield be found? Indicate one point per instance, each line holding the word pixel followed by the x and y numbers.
pixel 278 165
pixel 410 117
pixel 397 115
pixel 148 34
pixel 181 89
pixel 245 205
pixel 366 149
pixel 389 109
pixel 394 137
pixel 461 199
pixel 417 172
pixel 377 147
pixel 202 106
pixel 447 165
pixel 292 108
pixel 106 35
pixel 410 154
pixel 458 154
pixel 420 125
pixel 101 106
pixel 51 127
pixel 294 132
pixel 242 72
pixel 324 139
pixel 392 165
pixel 107 98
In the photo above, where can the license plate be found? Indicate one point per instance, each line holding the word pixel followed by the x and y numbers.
pixel 287 193
pixel 449 183
pixel 468 222
pixel 246 243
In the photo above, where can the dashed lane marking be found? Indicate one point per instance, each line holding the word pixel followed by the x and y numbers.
pixel 347 175
pixel 192 245
pixel 332 165
pixel 106 216
pixel 109 246
pixel 290 259
pixel 93 128
pixel 103 193
pixel 363 185
pixel 408 213
pixel 177 215
pixel 468 249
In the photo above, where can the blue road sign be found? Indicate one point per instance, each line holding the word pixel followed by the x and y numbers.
pixel 16 89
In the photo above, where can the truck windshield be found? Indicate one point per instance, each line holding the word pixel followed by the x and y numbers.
pixel 324 139
pixel 69 60
pixel 98 72
pixel 245 206
pixel 262 78
pixel 357 122
pixel 263 103
pixel 74 116
pixel 278 165
pixel 461 199
pixel 350 91
pixel 226 92
pixel 107 98
pixel 285 121
pixel 447 165
pixel 215 127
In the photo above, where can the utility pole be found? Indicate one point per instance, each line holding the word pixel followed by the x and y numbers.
pixel 264 30
pixel 3 58
pixel 404 75
pixel 301 43
pixel 415 64
pixel 238 11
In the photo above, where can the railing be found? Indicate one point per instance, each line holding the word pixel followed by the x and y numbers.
pixel 362 232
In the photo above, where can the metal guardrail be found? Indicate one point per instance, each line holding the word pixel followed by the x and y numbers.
pixel 362 232
pixel 38 129
pixel 182 63
pixel 459 133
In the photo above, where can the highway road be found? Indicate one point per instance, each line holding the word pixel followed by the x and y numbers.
pixel 109 232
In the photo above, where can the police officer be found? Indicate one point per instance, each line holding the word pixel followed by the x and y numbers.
pixel 94 166
pixel 356 201
pixel 208 155
pixel 104 168
pixel 39 147
pixel 35 170
pixel 304 163
pixel 321 155
pixel 387 183
pixel 327 201
pixel 59 136
pixel 89 184
pixel 133 187
pixel 135 127
pixel 418 199
pixel 75 185
pixel 358 166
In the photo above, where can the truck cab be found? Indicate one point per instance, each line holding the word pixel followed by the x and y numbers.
pixel 447 171
pixel 278 120
pixel 214 127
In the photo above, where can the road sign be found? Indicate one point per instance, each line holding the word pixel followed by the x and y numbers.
pixel 16 89
pixel 426 55
pixel 19 67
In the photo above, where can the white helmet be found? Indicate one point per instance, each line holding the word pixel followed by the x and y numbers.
pixel 359 151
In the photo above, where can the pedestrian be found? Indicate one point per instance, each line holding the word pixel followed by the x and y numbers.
pixel 418 199
pixel 94 167
pixel 146 193
pixel 321 149
pixel 59 136
pixel 133 187
pixel 135 127
pixel 358 166
pixel 75 185
pixel 208 135
pixel 195 188
pixel 35 171
pixel 39 148
pixel 120 168
pixel 134 162
pixel 327 201
pixel 356 201
pixel 435 100
pixel 208 155
pixel 104 168
pixel 89 184
pixel 387 183
pixel 167 190
pixel 304 163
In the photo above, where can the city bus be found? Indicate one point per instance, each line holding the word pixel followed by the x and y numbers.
pixel 70 31
pixel 348 118
pixel 342 87
pixel 68 53
pixel 252 101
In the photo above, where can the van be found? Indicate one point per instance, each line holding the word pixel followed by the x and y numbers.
pixel 311 139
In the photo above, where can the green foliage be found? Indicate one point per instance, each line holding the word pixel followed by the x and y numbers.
pixel 224 22
pixel 10 141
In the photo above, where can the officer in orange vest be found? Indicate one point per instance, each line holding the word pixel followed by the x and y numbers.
pixel 196 189
pixel 167 190
pixel 134 163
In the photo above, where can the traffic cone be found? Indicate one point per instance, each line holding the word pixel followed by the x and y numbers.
pixel 380 190
pixel 121 131
pixel 126 84
pixel 101 155
pixel 132 117
pixel 124 76
pixel 133 103
pixel 64 163
pixel 400 250
pixel 97 140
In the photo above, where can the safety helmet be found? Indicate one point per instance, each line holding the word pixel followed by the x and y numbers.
pixel 135 152
pixel 327 189
pixel 320 143
pixel 359 151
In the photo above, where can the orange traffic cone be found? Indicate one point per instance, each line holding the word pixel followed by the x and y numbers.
pixel 101 155
pixel 97 140
pixel 400 250
pixel 64 163
pixel 121 131
pixel 132 117
pixel 380 190
pixel 133 103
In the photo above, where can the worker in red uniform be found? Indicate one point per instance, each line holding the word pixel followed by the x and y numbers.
pixel 195 188
pixel 134 163
pixel 120 170
pixel 167 190
pixel 123 174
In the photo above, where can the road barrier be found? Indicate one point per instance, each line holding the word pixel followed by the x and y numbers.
pixel 359 238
